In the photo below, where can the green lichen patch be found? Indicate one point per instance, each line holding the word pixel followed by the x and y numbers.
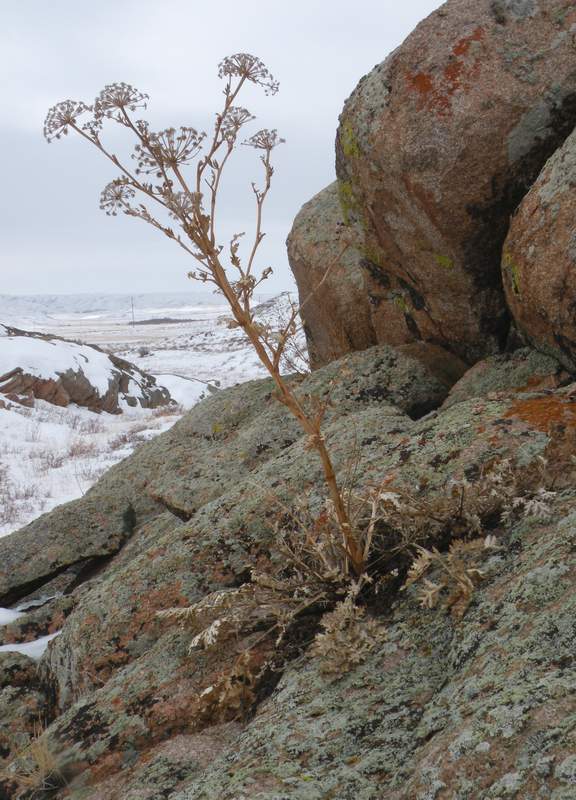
pixel 444 261
pixel 348 140
pixel 400 301
pixel 512 271
pixel 348 203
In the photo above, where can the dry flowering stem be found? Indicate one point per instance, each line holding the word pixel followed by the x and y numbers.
pixel 174 186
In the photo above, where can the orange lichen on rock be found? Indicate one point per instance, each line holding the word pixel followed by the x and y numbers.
pixel 544 412
pixel 436 97
pixel 421 82
pixel 463 46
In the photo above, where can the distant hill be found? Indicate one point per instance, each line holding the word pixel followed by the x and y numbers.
pixel 37 307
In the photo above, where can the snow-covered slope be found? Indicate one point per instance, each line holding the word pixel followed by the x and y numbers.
pixel 49 455
pixel 48 359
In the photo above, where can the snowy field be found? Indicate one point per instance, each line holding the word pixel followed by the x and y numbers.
pixel 50 455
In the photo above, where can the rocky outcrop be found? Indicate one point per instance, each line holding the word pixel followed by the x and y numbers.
pixel 45 367
pixel 330 279
pixel 539 259
pixel 437 146
pixel 448 700
pixel 444 704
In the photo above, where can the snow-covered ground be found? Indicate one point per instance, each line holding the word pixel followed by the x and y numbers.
pixel 50 455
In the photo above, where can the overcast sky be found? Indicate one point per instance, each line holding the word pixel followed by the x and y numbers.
pixel 53 237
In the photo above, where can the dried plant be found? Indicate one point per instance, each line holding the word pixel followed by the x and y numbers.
pixel 33 772
pixel 176 178
pixel 233 695
pixel 458 573
pixel 348 637
pixel 436 543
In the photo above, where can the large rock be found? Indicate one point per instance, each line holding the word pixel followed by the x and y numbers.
pixel 125 682
pixel 436 148
pixel 336 310
pixel 539 259
pixel 38 365
pixel 508 374
pixel 438 700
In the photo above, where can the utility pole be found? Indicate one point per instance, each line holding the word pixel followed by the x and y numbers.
pixel 133 320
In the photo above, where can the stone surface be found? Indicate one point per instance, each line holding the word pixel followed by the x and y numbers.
pixel 122 682
pixel 126 384
pixel 523 370
pixel 437 146
pixel 478 707
pixel 165 768
pixel 16 670
pixel 336 315
pixel 539 259
pixel 37 622
pixel 23 705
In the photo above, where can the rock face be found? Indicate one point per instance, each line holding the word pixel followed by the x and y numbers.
pixel 539 259
pixel 436 148
pixel 37 365
pixel 476 707
pixel 336 315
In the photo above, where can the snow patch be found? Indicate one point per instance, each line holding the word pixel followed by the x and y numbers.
pixel 7 615
pixel 185 391
pixel 35 649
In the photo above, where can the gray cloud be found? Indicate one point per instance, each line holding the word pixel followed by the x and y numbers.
pixel 53 238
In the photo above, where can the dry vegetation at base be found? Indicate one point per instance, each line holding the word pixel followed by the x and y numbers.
pixel 304 600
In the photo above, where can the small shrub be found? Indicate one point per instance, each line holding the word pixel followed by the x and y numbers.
pixel 347 637
pixel 301 595
pixel 172 410
pixel 120 441
pixel 33 432
pixel 91 426
pixel 80 448
pixel 49 459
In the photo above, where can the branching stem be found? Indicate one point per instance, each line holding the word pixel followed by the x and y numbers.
pixel 199 228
